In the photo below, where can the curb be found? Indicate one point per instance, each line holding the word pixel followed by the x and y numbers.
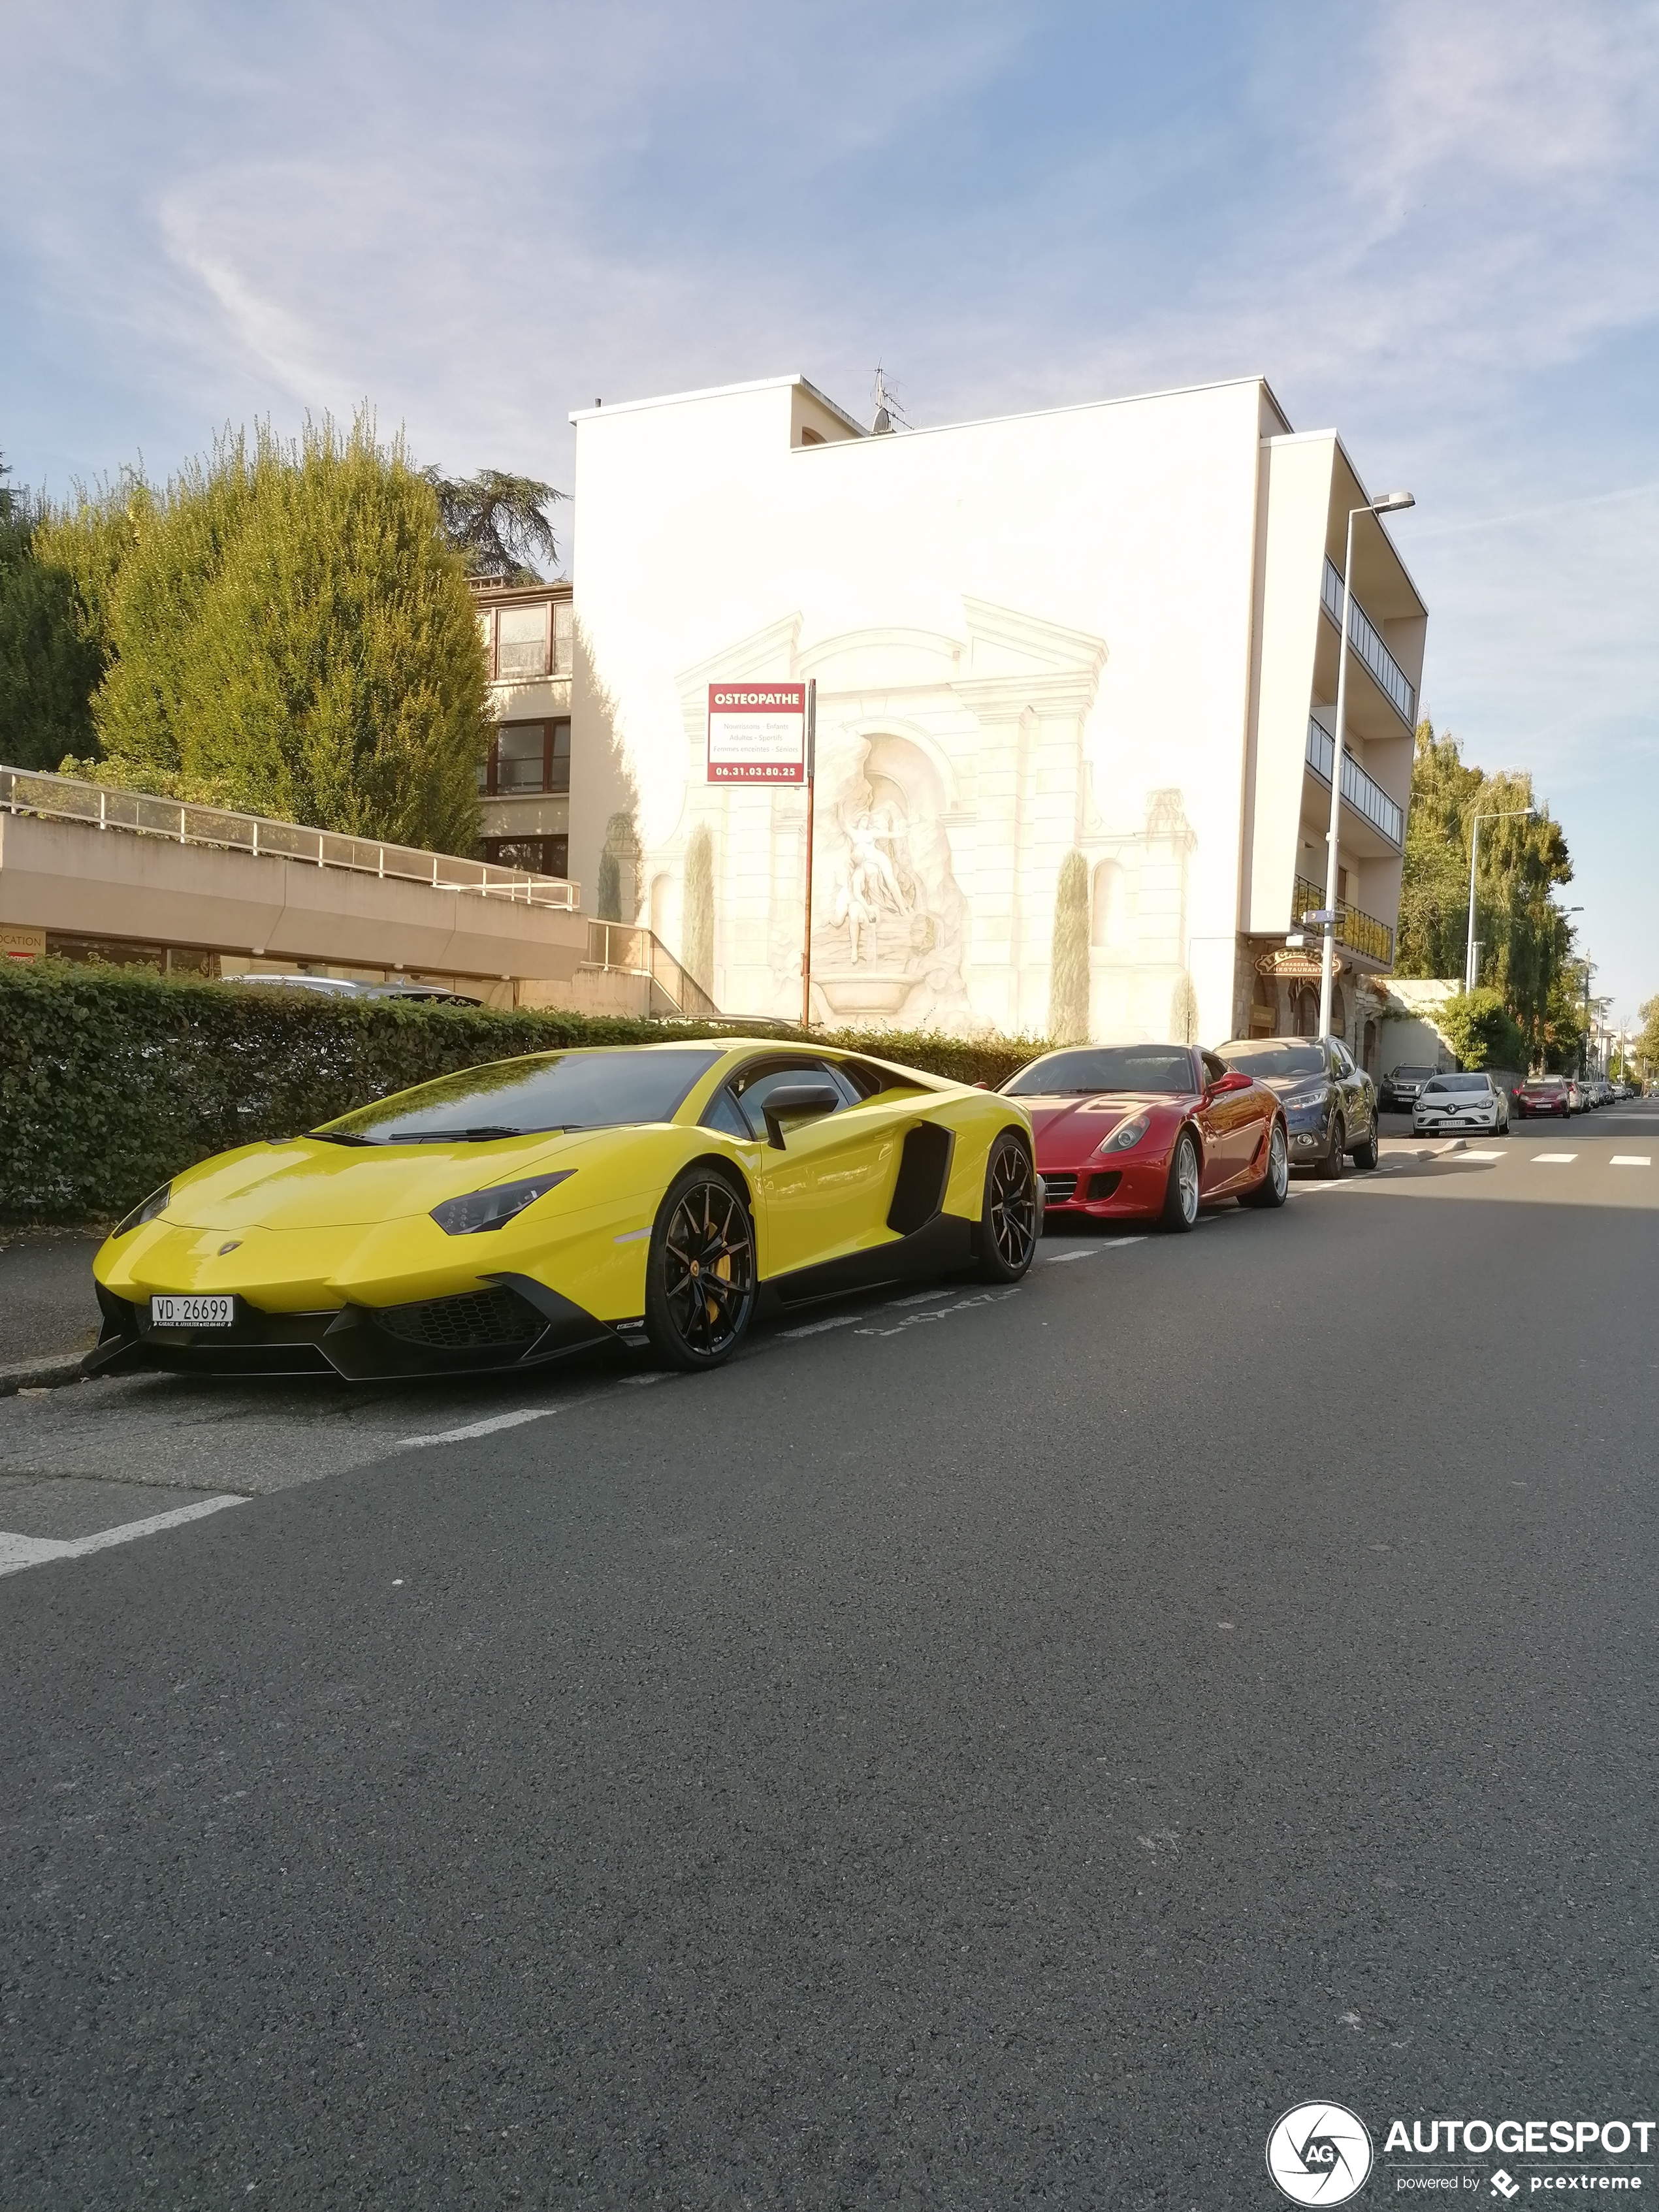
pixel 49 1372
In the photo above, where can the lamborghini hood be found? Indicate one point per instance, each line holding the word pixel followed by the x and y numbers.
pixel 309 1183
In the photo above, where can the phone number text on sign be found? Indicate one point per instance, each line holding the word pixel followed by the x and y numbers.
pixel 757 733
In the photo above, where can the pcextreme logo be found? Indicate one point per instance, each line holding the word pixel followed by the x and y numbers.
pixel 1319 2153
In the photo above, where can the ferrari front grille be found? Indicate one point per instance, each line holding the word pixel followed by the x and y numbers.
pixel 473 1321
pixel 1059 1190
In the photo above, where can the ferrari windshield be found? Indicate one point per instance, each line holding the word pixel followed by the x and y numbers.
pixel 1269 1058
pixel 1134 1067
pixel 517 1097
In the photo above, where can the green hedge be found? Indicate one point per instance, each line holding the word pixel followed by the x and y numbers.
pixel 113 1079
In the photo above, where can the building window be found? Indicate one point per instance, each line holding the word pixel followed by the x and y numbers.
pixel 536 856
pixel 527 756
pixel 521 642
pixel 563 623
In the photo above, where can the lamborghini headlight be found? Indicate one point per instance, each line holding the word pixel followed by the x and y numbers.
pixel 495 1207
pixel 154 1204
pixel 1126 1134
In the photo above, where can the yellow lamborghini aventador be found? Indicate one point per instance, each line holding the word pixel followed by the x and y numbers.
pixel 508 1215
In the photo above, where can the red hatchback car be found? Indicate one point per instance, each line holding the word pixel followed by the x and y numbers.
pixel 1150 1132
pixel 1544 1094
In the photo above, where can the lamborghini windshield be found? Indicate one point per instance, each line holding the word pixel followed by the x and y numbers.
pixel 1133 1067
pixel 599 1089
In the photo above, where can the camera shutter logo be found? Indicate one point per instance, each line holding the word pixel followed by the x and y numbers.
pixel 1319 2155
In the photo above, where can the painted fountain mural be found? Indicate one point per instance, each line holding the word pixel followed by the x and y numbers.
pixel 952 781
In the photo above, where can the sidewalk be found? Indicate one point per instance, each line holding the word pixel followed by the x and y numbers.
pixel 47 1306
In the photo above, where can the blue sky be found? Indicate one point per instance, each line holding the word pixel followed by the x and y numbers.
pixel 1435 225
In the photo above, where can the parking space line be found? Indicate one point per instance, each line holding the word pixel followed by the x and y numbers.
pixel 1554 1159
pixel 476 1428
pixel 1631 1160
pixel 19 1551
pixel 1089 1251
pixel 817 1328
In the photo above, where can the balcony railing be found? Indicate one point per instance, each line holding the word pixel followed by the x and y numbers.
pixel 1359 791
pixel 635 951
pixel 181 821
pixel 1391 677
pixel 1361 933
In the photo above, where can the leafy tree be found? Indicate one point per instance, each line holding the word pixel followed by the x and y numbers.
pixel 1481 1031
pixel 498 524
pixel 698 951
pixel 50 662
pixel 1523 938
pixel 1068 973
pixel 288 632
pixel 1645 1051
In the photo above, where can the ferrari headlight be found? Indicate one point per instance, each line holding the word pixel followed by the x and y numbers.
pixel 495 1207
pixel 1127 1133
pixel 154 1204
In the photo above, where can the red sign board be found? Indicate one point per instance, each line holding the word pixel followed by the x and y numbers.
pixel 757 733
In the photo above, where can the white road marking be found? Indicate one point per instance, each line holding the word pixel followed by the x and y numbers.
pixel 918 1298
pixel 817 1328
pixel 19 1551
pixel 476 1428
pixel 1631 1160
pixel 1485 1156
pixel 943 1313
pixel 1554 1159
pixel 1089 1251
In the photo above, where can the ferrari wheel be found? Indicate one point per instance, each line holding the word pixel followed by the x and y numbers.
pixel 1274 1186
pixel 1180 1194
pixel 1008 1224
pixel 700 1279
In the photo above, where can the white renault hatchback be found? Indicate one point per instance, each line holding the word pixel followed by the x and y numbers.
pixel 1456 1104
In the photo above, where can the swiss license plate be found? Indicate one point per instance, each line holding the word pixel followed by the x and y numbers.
pixel 193 1312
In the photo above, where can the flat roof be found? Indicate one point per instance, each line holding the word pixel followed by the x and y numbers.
pixel 932 429
pixel 795 382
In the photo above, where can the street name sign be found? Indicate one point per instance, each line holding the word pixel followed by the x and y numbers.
pixel 757 733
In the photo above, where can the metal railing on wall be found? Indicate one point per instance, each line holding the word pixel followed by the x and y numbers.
pixel 1361 933
pixel 1392 679
pixel 633 951
pixel 186 822
pixel 1365 796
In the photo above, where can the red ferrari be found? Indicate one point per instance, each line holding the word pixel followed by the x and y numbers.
pixel 1150 1132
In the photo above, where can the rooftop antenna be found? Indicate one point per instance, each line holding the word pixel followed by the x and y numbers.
pixel 888 410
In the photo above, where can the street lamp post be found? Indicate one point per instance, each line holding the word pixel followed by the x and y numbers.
pixel 1505 814
pixel 1392 502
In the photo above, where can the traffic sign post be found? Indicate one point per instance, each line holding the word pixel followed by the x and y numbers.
pixel 768 733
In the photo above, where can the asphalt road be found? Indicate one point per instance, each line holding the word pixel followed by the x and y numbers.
pixel 993 1749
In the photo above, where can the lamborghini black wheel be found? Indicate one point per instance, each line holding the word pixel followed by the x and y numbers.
pixel 700 1279
pixel 1008 1224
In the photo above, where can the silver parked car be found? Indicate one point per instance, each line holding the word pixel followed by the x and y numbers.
pixel 1451 1105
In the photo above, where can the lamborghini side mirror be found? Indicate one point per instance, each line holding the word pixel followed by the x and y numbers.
pixel 800 1101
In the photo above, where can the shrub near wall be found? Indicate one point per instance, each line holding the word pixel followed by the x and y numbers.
pixel 112 1080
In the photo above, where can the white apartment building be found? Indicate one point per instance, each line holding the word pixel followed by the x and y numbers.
pixel 1108 631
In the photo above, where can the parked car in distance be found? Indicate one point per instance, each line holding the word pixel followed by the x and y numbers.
pixel 1578 1095
pixel 1397 1093
pixel 1150 1131
pixel 1448 1104
pixel 340 987
pixel 1330 1105
pixel 1544 1095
